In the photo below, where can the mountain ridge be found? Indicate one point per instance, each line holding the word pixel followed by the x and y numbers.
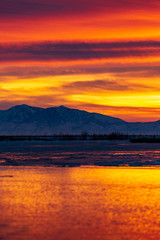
pixel 28 120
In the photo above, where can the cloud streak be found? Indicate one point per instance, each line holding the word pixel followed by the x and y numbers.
pixel 68 51
pixel 31 71
pixel 28 8
pixel 102 86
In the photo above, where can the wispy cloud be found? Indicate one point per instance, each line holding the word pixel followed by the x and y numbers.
pixel 23 8
pixel 31 71
pixel 102 86
pixel 77 51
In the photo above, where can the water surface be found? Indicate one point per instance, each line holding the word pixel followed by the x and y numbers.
pixel 81 203
pixel 77 153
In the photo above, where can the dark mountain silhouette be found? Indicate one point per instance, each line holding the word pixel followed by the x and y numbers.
pixel 27 120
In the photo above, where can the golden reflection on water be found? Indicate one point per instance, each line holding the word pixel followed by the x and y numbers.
pixel 83 203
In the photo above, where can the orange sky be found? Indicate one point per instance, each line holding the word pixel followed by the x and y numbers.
pixel 100 56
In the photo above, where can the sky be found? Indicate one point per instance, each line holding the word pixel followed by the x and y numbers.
pixel 96 55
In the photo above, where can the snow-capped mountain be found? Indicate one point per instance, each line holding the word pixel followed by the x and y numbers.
pixel 27 120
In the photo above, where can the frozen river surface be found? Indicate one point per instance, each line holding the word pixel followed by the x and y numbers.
pixel 77 153
pixel 79 191
pixel 80 203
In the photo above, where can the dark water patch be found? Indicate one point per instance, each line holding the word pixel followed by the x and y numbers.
pixel 82 154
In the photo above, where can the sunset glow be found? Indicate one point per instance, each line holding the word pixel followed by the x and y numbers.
pixel 100 56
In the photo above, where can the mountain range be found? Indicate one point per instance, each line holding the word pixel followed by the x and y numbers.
pixel 28 120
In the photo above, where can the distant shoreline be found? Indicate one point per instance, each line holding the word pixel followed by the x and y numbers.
pixel 84 136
